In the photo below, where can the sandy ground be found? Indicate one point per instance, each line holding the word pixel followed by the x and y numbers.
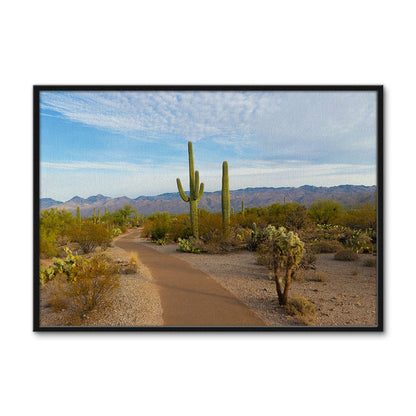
pixel 348 298
pixel 135 303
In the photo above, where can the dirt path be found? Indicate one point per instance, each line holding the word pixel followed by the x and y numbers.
pixel 189 296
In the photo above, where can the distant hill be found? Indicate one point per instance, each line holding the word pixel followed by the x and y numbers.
pixel 172 202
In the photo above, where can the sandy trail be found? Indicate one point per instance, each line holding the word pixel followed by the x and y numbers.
pixel 189 296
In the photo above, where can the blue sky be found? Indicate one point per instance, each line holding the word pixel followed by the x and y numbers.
pixel 135 143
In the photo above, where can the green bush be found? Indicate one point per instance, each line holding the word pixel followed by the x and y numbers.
pixel 81 284
pixel 326 246
pixel 53 227
pixel 360 242
pixel 346 255
pixel 325 212
pixel 190 245
pixel 89 235
pixel 180 227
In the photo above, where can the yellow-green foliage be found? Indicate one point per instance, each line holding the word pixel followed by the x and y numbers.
pixel 54 223
pixel 302 309
pixel 82 284
pixel 284 249
pixel 326 246
pixel 325 212
pixel 362 216
pixel 319 277
pixel 90 235
pixel 346 255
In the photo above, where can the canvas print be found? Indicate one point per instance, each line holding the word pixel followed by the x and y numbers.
pixel 208 208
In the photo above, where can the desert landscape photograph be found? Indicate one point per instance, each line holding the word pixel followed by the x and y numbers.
pixel 198 208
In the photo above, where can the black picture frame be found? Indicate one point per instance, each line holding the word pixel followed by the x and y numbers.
pixel 378 89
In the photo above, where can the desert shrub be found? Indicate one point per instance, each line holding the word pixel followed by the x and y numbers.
pixel 362 216
pixel 210 228
pixel 124 217
pixel 360 242
pixel 157 226
pixel 326 246
pixel 259 236
pixel 308 260
pixel 292 215
pixel 92 283
pixel 324 212
pixel 370 262
pixel 180 227
pixel 159 230
pixel 53 227
pixel 190 245
pixel 302 309
pixel 319 277
pixel 81 284
pixel 89 235
pixel 131 266
pixel 346 255
pixel 48 246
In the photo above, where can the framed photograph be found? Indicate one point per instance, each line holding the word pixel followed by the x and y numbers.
pixel 195 208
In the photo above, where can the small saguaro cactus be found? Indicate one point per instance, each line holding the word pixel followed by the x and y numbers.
pixel 225 199
pixel 242 206
pixel 94 217
pixel 195 192
pixel 99 216
pixel 78 214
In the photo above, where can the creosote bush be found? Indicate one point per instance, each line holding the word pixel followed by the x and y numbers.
pixel 89 235
pixel 326 246
pixel 346 255
pixel 79 283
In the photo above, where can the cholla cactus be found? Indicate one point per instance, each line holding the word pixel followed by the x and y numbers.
pixel 195 192
pixel 286 250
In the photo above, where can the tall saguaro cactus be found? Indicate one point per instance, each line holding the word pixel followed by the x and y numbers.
pixel 78 214
pixel 225 199
pixel 195 192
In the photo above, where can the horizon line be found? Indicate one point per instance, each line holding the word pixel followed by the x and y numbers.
pixel 210 192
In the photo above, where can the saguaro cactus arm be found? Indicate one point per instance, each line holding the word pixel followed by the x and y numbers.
pixel 181 192
pixel 201 191
pixel 225 199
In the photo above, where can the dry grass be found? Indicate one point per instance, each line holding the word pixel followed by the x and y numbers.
pixel 346 255
pixel 302 309
pixel 319 277
pixel 370 263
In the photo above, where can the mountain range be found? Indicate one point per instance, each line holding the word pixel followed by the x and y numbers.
pixel 172 202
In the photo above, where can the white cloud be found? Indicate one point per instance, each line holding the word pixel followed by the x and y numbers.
pixel 316 124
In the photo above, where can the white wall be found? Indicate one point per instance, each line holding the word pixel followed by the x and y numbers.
pixel 216 42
